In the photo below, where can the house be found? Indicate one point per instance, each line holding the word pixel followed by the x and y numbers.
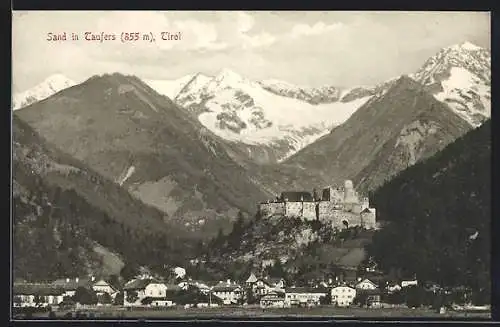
pixel 366 284
pixel 273 300
pixel 251 280
pixel 369 297
pixel 393 287
pixel 230 293
pixel 343 296
pixel 137 290
pixel 408 283
pixel 201 285
pixel 262 287
pixel 102 287
pixel 70 285
pixel 304 295
pixel 432 287
pixel 36 295
pixel 277 283
pixel 163 301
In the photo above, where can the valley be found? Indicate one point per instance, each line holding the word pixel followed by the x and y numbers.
pixel 179 167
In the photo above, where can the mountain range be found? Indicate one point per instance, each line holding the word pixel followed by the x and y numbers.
pixel 49 86
pixel 125 131
pixel 256 116
pixel 383 137
pixel 271 120
pixel 194 152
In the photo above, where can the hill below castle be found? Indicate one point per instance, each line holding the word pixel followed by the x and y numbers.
pixel 300 251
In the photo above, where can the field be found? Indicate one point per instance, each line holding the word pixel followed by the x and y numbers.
pixel 256 312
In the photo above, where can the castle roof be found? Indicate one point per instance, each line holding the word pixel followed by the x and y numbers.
pixel 294 196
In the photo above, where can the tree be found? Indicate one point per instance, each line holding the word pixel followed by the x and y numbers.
pixel 396 298
pixel 129 271
pixel 251 298
pixel 325 300
pixel 415 296
pixel 85 296
pixel 361 299
pixel 104 298
pixel 118 299
pixel 132 296
pixel 276 270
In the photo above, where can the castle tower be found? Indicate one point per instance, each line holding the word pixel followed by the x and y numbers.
pixel 365 203
pixel 349 193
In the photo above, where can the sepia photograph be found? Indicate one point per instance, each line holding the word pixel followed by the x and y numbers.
pixel 251 164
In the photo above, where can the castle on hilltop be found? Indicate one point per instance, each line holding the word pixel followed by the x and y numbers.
pixel 341 207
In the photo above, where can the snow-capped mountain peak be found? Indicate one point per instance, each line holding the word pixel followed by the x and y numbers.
pixel 46 88
pixel 467 46
pixel 228 76
pixel 194 85
pixel 170 88
pixel 460 75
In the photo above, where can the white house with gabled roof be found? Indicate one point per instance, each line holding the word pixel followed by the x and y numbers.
pixel 366 284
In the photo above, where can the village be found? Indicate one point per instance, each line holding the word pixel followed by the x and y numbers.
pixel 73 295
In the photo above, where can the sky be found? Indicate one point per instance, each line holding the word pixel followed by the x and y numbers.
pixel 305 48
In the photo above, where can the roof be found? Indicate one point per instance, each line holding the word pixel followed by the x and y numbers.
pixel 173 287
pixel 137 284
pixel 72 284
pixel 272 297
pixel 251 278
pixel 274 280
pixel 277 292
pixel 103 282
pixel 365 281
pixel 305 290
pixel 343 286
pixel 367 210
pixel 294 196
pixel 224 287
pixel 36 289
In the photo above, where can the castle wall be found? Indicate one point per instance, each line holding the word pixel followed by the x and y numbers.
pixel 333 195
pixel 338 204
pixel 309 212
pixel 306 210
pixel 272 208
pixel 293 209
pixel 369 219
pixel 326 211
pixel 357 208
pixel 339 216
pixel 334 215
